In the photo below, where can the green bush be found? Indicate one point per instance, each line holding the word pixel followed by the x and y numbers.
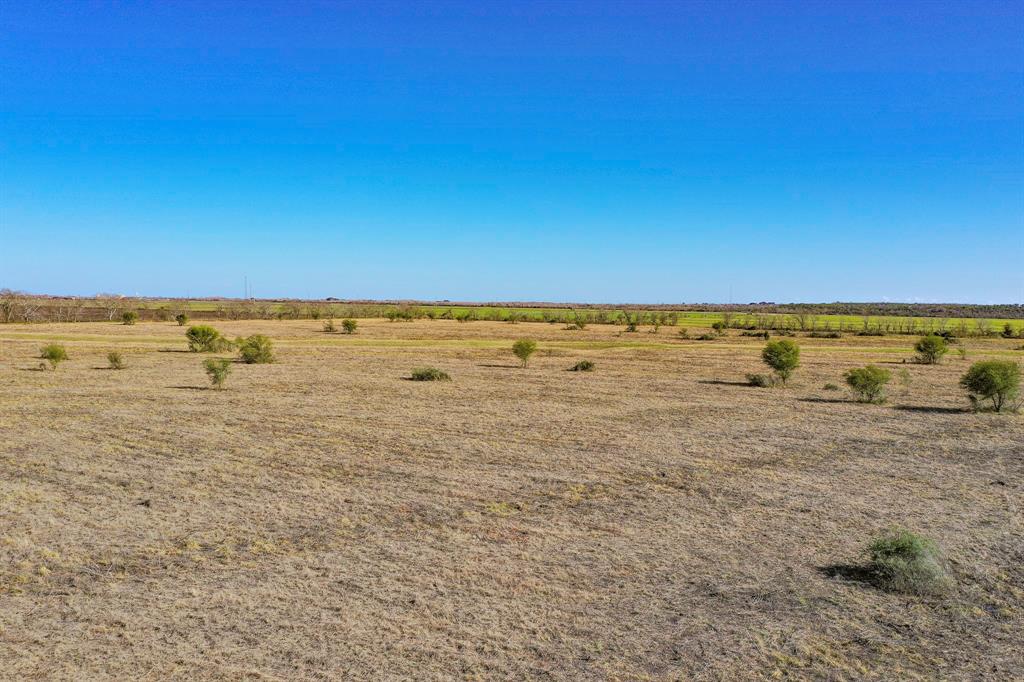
pixel 706 337
pixel 181 319
pixel 218 370
pixel 868 383
pixel 718 327
pixel 430 374
pixel 582 366
pixel 782 357
pixel 995 381
pixel 759 380
pixel 115 360
pixel 930 349
pixel 902 561
pixel 349 326
pixel 205 339
pixel 523 349
pixel 130 317
pixel 255 350
pixel 53 353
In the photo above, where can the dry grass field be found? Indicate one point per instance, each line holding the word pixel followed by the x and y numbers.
pixel 326 518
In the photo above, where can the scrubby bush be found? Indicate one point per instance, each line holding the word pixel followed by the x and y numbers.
pixel 868 383
pixel 217 369
pixel 902 561
pixel 523 349
pixel 930 349
pixel 205 339
pixel 783 357
pixel 115 360
pixel 759 380
pixel 825 335
pixel 53 353
pixel 255 350
pixel 718 327
pixel 831 387
pixel 684 333
pixel 130 317
pixel 349 326
pixel 994 381
pixel 582 366
pixel 706 337
pixel 181 319
pixel 430 374
pixel 329 326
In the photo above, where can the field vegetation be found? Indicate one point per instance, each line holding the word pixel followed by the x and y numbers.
pixel 323 517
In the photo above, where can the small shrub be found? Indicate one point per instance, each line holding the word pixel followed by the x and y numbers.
pixel 759 380
pixel 582 366
pixel 205 339
pixel 256 350
pixel 868 383
pixel 684 333
pixel 825 335
pixel 53 353
pixel 218 370
pixel 115 360
pixel 783 357
pixel 830 387
pixel 181 319
pixel 718 327
pixel 995 381
pixel 430 374
pixel 1008 332
pixel 902 561
pixel 930 349
pixel 962 352
pixel 329 326
pixel 130 317
pixel 523 349
pixel 706 337
pixel 349 326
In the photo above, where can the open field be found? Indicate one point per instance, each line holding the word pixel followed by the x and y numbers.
pixel 325 518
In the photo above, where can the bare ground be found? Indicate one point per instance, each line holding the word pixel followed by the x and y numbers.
pixel 325 518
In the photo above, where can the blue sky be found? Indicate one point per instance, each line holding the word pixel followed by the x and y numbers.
pixel 558 151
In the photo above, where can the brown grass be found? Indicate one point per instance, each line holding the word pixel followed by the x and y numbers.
pixel 324 518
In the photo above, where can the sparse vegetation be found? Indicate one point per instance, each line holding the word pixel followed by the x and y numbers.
pixel 831 387
pixel 130 317
pixel 930 349
pixel 430 374
pixel 759 380
pixel 783 357
pixel 218 370
pixel 255 350
pixel 868 383
pixel 115 360
pixel 206 339
pixel 523 349
pixel 583 366
pixel 329 326
pixel 348 326
pixel 995 382
pixel 53 353
pixel 181 319
pixel 902 561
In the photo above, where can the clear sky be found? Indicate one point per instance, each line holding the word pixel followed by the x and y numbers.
pixel 559 151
